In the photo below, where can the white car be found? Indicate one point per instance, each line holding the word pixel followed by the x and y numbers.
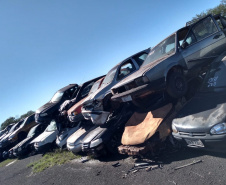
pixel 46 140
pixel 74 142
pixel 64 135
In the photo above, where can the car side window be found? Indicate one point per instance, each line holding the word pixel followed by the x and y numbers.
pixel 190 38
pixel 204 28
pixel 140 58
pixel 126 69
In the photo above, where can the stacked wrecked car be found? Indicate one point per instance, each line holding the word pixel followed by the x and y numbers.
pixel 175 90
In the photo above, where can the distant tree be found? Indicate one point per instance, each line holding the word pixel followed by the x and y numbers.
pixel 220 9
pixel 11 120
pixel 7 122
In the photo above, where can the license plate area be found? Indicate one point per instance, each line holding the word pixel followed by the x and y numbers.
pixel 126 98
pixel 194 143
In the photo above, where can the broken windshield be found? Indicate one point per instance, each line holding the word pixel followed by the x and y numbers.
pixel 163 49
pixel 110 76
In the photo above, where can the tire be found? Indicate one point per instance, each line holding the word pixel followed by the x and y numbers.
pixel 176 85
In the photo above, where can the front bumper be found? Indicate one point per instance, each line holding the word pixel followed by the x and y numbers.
pixel 214 143
pixel 138 92
pixel 97 117
pixel 75 148
pixel 43 148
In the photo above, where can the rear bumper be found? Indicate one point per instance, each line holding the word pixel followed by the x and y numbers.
pixel 211 142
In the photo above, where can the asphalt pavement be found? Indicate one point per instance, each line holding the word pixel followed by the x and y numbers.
pixel 211 170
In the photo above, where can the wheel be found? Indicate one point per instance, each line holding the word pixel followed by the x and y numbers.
pixel 176 85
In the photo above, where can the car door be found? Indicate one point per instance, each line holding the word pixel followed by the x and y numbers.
pixel 203 42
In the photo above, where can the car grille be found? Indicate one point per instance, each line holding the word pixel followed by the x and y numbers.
pixel 85 146
pixel 193 133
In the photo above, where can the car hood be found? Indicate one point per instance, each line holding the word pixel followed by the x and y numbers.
pixel 201 113
pixel 80 134
pixel 136 74
pixel 78 106
pixel 99 94
pixel 45 136
pixel 47 107
pixel 68 131
pixel 94 134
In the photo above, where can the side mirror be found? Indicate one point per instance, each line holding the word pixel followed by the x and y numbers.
pixel 184 45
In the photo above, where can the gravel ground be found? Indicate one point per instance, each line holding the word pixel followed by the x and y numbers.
pixel 210 171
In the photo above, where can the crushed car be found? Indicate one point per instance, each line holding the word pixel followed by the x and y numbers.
pixel 70 110
pixel 98 107
pixel 47 140
pixel 105 139
pixel 75 112
pixel 172 63
pixel 21 133
pixel 74 142
pixel 62 137
pixel 48 111
pixel 24 147
pixel 201 123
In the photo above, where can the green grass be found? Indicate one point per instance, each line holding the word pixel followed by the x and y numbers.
pixel 5 162
pixel 51 159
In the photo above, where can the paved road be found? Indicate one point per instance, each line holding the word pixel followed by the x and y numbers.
pixel 210 171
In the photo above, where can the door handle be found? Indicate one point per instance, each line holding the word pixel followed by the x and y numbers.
pixel 217 36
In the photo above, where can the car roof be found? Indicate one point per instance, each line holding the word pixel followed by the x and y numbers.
pixel 67 87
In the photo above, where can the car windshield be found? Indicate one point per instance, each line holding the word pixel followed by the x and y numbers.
pixel 57 97
pixel 215 79
pixel 163 49
pixel 32 131
pixel 24 122
pixel 109 77
pixel 86 90
pixel 95 87
pixel 13 128
pixel 52 127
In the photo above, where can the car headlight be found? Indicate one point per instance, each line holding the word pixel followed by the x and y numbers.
pixel 174 128
pixel 141 80
pixel 95 142
pixel 43 114
pixel 219 128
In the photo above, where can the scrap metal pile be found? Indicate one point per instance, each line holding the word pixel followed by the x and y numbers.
pixel 175 89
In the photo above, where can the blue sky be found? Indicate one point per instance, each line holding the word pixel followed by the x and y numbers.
pixel 47 44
